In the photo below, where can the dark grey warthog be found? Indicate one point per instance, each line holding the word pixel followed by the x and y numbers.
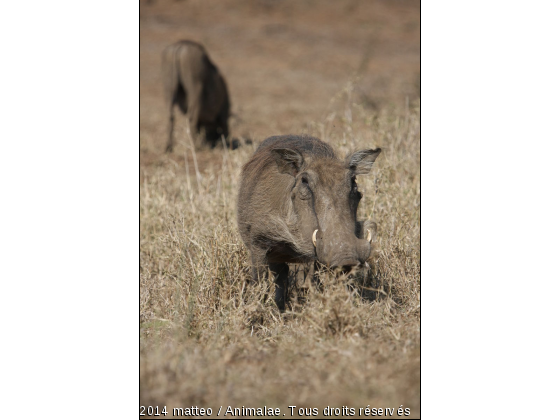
pixel 297 203
pixel 195 84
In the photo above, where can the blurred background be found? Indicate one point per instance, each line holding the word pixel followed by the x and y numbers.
pixel 286 62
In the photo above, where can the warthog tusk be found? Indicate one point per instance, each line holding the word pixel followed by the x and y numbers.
pixel 368 235
pixel 314 238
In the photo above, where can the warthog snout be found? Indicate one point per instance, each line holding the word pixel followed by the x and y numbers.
pixel 337 252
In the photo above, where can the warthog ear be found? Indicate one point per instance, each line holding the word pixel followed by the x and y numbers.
pixel 289 161
pixel 361 161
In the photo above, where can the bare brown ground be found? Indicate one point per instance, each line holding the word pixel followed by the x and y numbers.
pixel 347 72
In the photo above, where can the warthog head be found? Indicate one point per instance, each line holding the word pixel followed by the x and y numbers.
pixel 325 197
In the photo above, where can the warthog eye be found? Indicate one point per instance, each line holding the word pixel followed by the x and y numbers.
pixel 304 180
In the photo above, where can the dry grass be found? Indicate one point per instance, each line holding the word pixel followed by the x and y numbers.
pixel 208 336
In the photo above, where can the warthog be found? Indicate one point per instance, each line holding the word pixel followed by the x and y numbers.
pixel 298 203
pixel 195 84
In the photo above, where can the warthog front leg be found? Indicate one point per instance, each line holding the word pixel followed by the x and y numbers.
pixel 280 272
pixel 194 104
pixel 169 147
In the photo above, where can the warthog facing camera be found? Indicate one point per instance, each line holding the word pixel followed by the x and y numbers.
pixel 195 84
pixel 298 203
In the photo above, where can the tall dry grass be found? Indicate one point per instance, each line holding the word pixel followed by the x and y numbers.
pixel 210 338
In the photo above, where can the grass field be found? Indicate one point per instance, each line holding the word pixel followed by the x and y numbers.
pixel 347 74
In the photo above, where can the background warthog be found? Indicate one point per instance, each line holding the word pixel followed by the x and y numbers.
pixel 298 203
pixel 195 84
